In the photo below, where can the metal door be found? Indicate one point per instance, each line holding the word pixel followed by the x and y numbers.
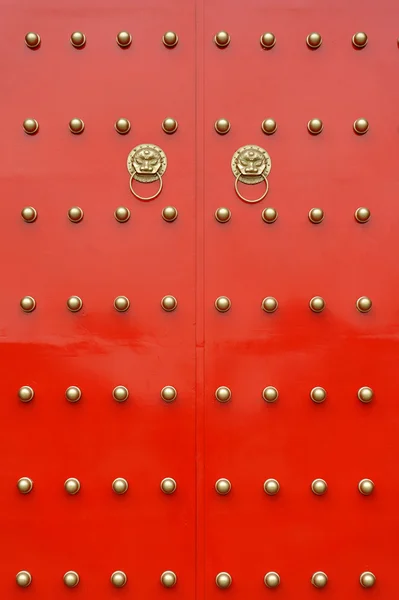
pixel 198 388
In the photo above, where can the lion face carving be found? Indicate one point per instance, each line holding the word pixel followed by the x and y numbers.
pixel 251 162
pixel 147 160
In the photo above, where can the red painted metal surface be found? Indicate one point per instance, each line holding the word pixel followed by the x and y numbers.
pixel 195 532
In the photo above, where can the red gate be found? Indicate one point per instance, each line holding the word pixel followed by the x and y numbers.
pixel 199 389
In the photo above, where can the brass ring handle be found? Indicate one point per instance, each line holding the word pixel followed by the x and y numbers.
pixel 246 199
pixel 149 197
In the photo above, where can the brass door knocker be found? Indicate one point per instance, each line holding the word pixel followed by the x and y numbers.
pixel 146 163
pixel 251 165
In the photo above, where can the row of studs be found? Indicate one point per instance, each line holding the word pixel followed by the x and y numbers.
pixel 78 39
pixel 118 579
pixel 318 486
pixel 222 486
pixel 169 393
pixel 119 485
pixel 121 303
pixel 270 394
pixel 169 213
pixel 223 580
pixel 170 125
pixel 77 126
pixel 122 214
pixel 120 393
pixel 272 579
pixel 222 39
pixel 270 215
pixel 222 304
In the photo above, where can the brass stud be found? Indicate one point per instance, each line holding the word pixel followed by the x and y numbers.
pixel 365 394
pixel 223 394
pixel 23 578
pixel 316 215
pixel 28 304
pixel 359 40
pixel 122 126
pixel 78 39
pixel 121 303
pixel 169 303
pixel 73 394
pixel 367 579
pixel 222 39
pixel 223 486
pixel 124 39
pixel 169 125
pixel 318 394
pixel 74 303
pixel 120 393
pixel 76 126
pixel 32 40
pixel 366 487
pixel 71 579
pixel 315 126
pixel 269 126
pixel 314 40
pixel 118 579
pixel 222 126
pixel 269 304
pixel 223 580
pixel 363 304
pixel 122 214
pixel 271 487
pixel 25 485
pixel 168 393
pixel 26 393
pixel 317 304
pixel 272 579
pixel 269 215
pixel 319 579
pixel 31 126
pixel 72 486
pixel 270 394
pixel 120 485
pixel 362 215
pixel 222 304
pixel 168 485
pixel 361 126
pixel 169 214
pixel 223 215
pixel 29 214
pixel 75 214
pixel 267 40
pixel 319 487
pixel 168 579
pixel 170 39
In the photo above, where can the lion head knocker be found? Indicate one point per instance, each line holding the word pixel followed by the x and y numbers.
pixel 146 163
pixel 251 165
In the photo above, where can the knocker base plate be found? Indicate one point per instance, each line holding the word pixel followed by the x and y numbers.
pixel 252 163
pixel 146 163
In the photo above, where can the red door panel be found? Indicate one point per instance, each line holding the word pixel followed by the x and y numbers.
pixel 294 440
pixel 96 532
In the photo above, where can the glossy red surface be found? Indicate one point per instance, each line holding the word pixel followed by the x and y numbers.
pixel 196 440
